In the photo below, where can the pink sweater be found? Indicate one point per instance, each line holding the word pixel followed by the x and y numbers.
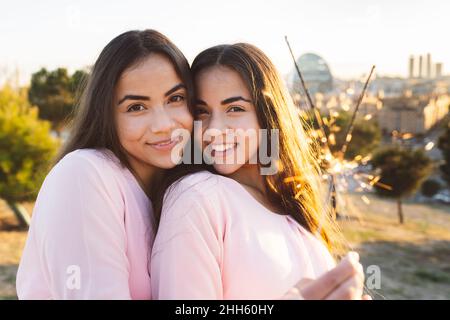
pixel 216 241
pixel 90 234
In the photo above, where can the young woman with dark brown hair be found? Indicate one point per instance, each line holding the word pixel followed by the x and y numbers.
pixel 92 225
pixel 247 228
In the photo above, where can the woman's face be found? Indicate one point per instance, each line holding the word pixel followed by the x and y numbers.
pixel 150 104
pixel 229 116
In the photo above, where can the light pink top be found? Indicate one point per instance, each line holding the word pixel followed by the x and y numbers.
pixel 215 241
pixel 90 233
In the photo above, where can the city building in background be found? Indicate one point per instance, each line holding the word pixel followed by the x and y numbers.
pixel 423 67
pixel 316 73
pixel 412 114
pixel 411 105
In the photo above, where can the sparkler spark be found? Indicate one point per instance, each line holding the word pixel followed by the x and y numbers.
pixel 429 146
pixel 407 136
pixel 365 199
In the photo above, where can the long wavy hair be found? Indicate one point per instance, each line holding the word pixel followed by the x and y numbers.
pixel 297 186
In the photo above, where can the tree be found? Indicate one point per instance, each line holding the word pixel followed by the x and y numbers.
pixel 444 146
pixel 54 93
pixel 430 188
pixel 366 134
pixel 78 81
pixel 26 150
pixel 403 170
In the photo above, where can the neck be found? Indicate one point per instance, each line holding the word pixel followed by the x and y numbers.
pixel 250 175
pixel 144 173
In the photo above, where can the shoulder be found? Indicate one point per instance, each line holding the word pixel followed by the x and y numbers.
pixel 202 184
pixel 200 193
pixel 80 186
pixel 84 170
pixel 195 205
pixel 85 163
pixel 89 158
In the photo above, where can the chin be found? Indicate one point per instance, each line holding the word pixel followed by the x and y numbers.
pixel 226 169
pixel 168 165
pixel 165 163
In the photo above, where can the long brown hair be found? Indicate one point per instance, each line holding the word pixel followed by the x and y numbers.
pixel 296 186
pixel 93 125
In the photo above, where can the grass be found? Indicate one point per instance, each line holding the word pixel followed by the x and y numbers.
pixel 12 241
pixel 413 258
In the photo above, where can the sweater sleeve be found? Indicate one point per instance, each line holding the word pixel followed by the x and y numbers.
pixel 76 247
pixel 187 254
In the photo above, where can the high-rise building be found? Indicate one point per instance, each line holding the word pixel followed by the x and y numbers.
pixel 438 70
pixel 411 67
pixel 420 66
pixel 429 65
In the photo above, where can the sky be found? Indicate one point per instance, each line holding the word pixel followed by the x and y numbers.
pixel 351 35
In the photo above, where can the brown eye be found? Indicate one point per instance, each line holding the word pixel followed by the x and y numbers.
pixel 200 111
pixel 177 98
pixel 135 108
pixel 236 109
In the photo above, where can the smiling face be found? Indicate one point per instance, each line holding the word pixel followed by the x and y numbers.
pixel 150 103
pixel 226 110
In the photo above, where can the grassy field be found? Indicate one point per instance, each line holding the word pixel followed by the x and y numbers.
pixel 414 258
pixel 12 240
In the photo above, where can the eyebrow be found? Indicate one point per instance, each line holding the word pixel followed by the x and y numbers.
pixel 226 101
pixel 133 97
pixel 175 88
pixel 146 98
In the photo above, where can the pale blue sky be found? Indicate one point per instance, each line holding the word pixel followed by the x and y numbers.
pixel 351 35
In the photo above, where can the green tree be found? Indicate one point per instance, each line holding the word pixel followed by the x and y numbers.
pixel 54 93
pixel 26 150
pixel 444 146
pixel 366 135
pixel 78 81
pixel 430 188
pixel 403 170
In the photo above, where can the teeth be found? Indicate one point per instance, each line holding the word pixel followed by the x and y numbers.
pixel 222 147
pixel 165 143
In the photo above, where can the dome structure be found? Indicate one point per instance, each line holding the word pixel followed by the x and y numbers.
pixel 316 73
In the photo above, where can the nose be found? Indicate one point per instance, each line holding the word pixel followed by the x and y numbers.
pixel 217 123
pixel 218 129
pixel 162 121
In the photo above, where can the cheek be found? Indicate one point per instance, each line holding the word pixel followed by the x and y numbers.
pixel 253 140
pixel 248 123
pixel 184 118
pixel 131 128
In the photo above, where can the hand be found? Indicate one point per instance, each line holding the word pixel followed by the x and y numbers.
pixel 344 282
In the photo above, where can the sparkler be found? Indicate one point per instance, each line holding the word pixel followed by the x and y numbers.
pixel 337 165
pixel 348 135
pixel 327 140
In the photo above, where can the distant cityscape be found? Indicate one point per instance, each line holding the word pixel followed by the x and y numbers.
pixel 412 105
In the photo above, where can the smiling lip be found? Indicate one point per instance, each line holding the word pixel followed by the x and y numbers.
pixel 221 150
pixel 165 145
